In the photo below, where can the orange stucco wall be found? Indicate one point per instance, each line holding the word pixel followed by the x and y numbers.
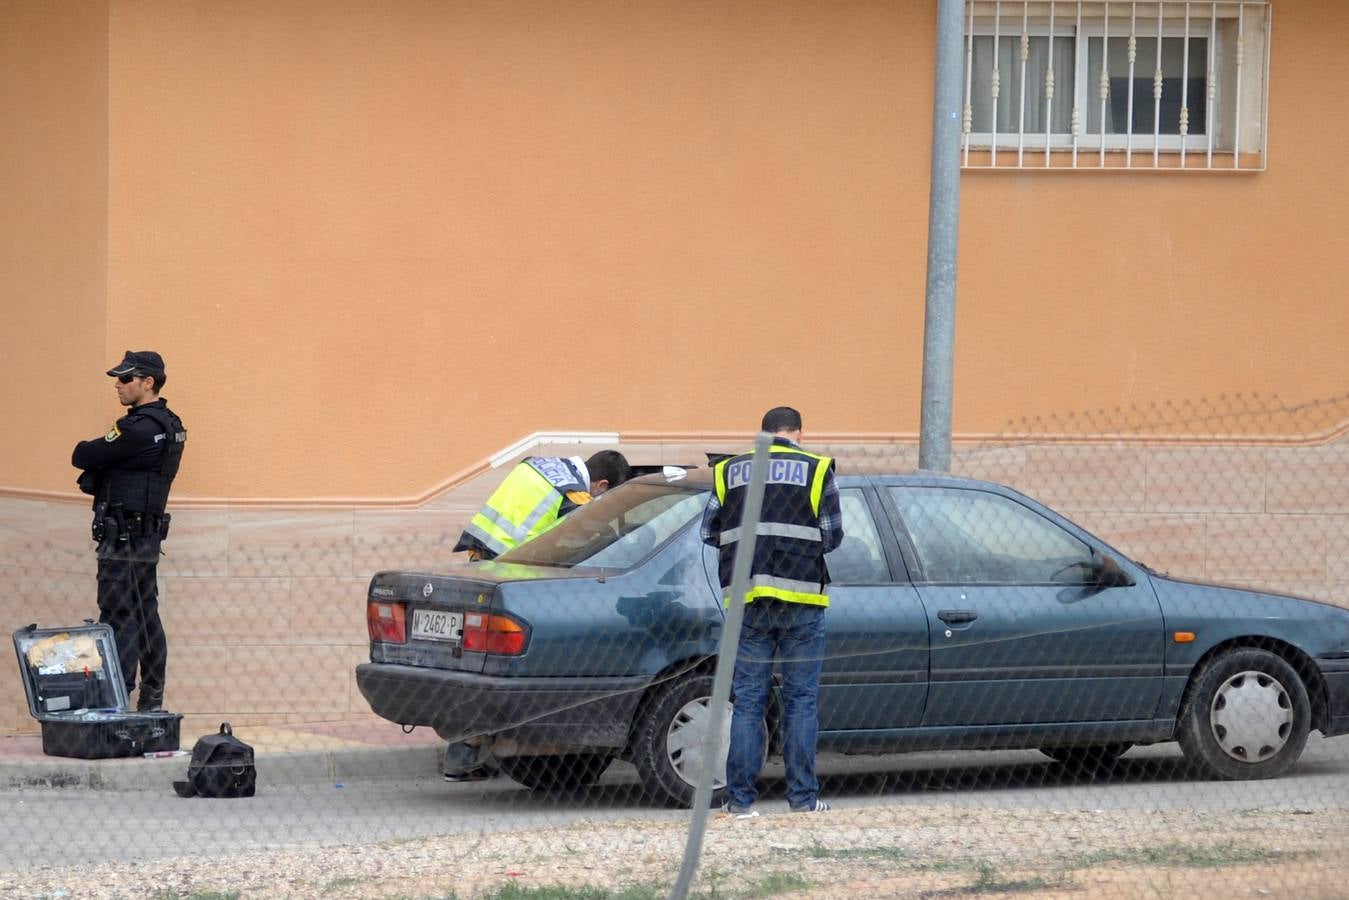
pixel 53 234
pixel 378 243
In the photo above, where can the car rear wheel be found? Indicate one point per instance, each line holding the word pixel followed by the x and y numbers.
pixel 1246 716
pixel 566 772
pixel 1098 757
pixel 668 746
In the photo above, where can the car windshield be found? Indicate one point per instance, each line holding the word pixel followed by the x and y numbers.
pixel 614 531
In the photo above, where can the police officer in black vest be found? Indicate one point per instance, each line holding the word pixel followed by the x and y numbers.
pixel 129 472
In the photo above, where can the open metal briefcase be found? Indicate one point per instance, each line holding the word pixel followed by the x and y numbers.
pixel 75 689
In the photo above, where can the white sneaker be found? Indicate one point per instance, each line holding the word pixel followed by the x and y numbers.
pixel 740 812
pixel 818 806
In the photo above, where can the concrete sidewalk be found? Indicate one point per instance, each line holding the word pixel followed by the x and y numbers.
pixel 295 753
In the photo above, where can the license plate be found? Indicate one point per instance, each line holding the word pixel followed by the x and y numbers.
pixel 437 625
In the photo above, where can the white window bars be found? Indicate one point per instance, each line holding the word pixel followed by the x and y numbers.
pixel 1130 84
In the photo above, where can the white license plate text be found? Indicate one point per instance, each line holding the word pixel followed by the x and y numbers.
pixel 437 625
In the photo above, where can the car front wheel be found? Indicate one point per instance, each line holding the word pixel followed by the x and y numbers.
pixel 567 772
pixel 1246 716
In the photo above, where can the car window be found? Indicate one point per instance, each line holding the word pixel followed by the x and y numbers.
pixel 615 530
pixel 646 527
pixel 976 537
pixel 858 560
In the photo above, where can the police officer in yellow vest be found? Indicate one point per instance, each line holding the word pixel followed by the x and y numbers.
pixel 800 522
pixel 537 493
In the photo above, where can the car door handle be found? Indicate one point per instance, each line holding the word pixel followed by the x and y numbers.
pixel 957 616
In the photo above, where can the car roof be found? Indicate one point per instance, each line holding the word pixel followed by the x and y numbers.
pixel 700 478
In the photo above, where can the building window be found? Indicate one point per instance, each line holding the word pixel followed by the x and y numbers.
pixel 1146 84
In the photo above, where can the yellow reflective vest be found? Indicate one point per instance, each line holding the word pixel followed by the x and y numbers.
pixel 537 492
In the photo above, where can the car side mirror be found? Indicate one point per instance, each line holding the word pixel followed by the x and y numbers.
pixel 1106 572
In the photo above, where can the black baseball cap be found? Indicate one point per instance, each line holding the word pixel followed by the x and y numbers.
pixel 145 362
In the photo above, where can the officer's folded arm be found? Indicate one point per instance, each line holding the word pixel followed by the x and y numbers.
pixel 124 441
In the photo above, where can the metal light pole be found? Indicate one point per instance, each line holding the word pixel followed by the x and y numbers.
pixel 726 653
pixel 939 324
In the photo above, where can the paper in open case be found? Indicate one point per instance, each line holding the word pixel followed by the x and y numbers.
pixel 75 689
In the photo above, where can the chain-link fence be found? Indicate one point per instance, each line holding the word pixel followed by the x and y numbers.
pixel 1069 667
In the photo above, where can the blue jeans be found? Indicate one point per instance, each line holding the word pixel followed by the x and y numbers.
pixel 793 633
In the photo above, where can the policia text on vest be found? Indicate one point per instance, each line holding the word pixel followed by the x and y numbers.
pixel 129 472
pixel 790 544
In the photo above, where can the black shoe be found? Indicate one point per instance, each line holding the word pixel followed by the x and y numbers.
pixel 478 773
pixel 740 812
pixel 150 701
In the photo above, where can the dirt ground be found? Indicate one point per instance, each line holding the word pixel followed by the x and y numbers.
pixel 874 852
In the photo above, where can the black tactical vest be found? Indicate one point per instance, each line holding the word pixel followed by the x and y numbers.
pixel 147 491
pixel 788 553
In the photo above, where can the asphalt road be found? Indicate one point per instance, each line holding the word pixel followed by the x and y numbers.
pixel 54 827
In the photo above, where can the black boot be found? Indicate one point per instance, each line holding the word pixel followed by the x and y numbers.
pixel 149 700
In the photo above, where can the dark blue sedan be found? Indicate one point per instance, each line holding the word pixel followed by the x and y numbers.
pixel 963 615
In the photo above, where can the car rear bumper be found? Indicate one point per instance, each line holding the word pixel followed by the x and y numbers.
pixel 563 712
pixel 1335 674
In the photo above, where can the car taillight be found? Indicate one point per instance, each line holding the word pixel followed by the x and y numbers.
pixel 493 634
pixel 387 622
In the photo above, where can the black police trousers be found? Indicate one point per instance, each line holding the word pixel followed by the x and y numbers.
pixel 128 602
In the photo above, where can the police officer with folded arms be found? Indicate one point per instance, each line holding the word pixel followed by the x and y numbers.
pixel 129 472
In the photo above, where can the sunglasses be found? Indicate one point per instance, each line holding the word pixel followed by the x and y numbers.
pixel 130 377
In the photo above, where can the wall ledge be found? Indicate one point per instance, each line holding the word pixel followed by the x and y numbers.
pixel 711 439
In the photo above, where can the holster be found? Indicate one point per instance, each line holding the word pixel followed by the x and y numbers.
pixel 104 527
pixel 112 532
pixel 127 535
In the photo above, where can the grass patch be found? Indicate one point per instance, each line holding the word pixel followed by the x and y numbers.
pixel 1015 885
pixel 709 884
pixel 901 855
pixel 344 882
pixel 943 865
pixel 1204 856
pixel 819 851
pixel 563 892
pixel 776 883
pixel 989 881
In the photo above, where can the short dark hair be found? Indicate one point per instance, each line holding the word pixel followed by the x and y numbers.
pixel 781 418
pixel 159 379
pixel 610 466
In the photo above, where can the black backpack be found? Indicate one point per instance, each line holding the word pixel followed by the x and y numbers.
pixel 221 766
